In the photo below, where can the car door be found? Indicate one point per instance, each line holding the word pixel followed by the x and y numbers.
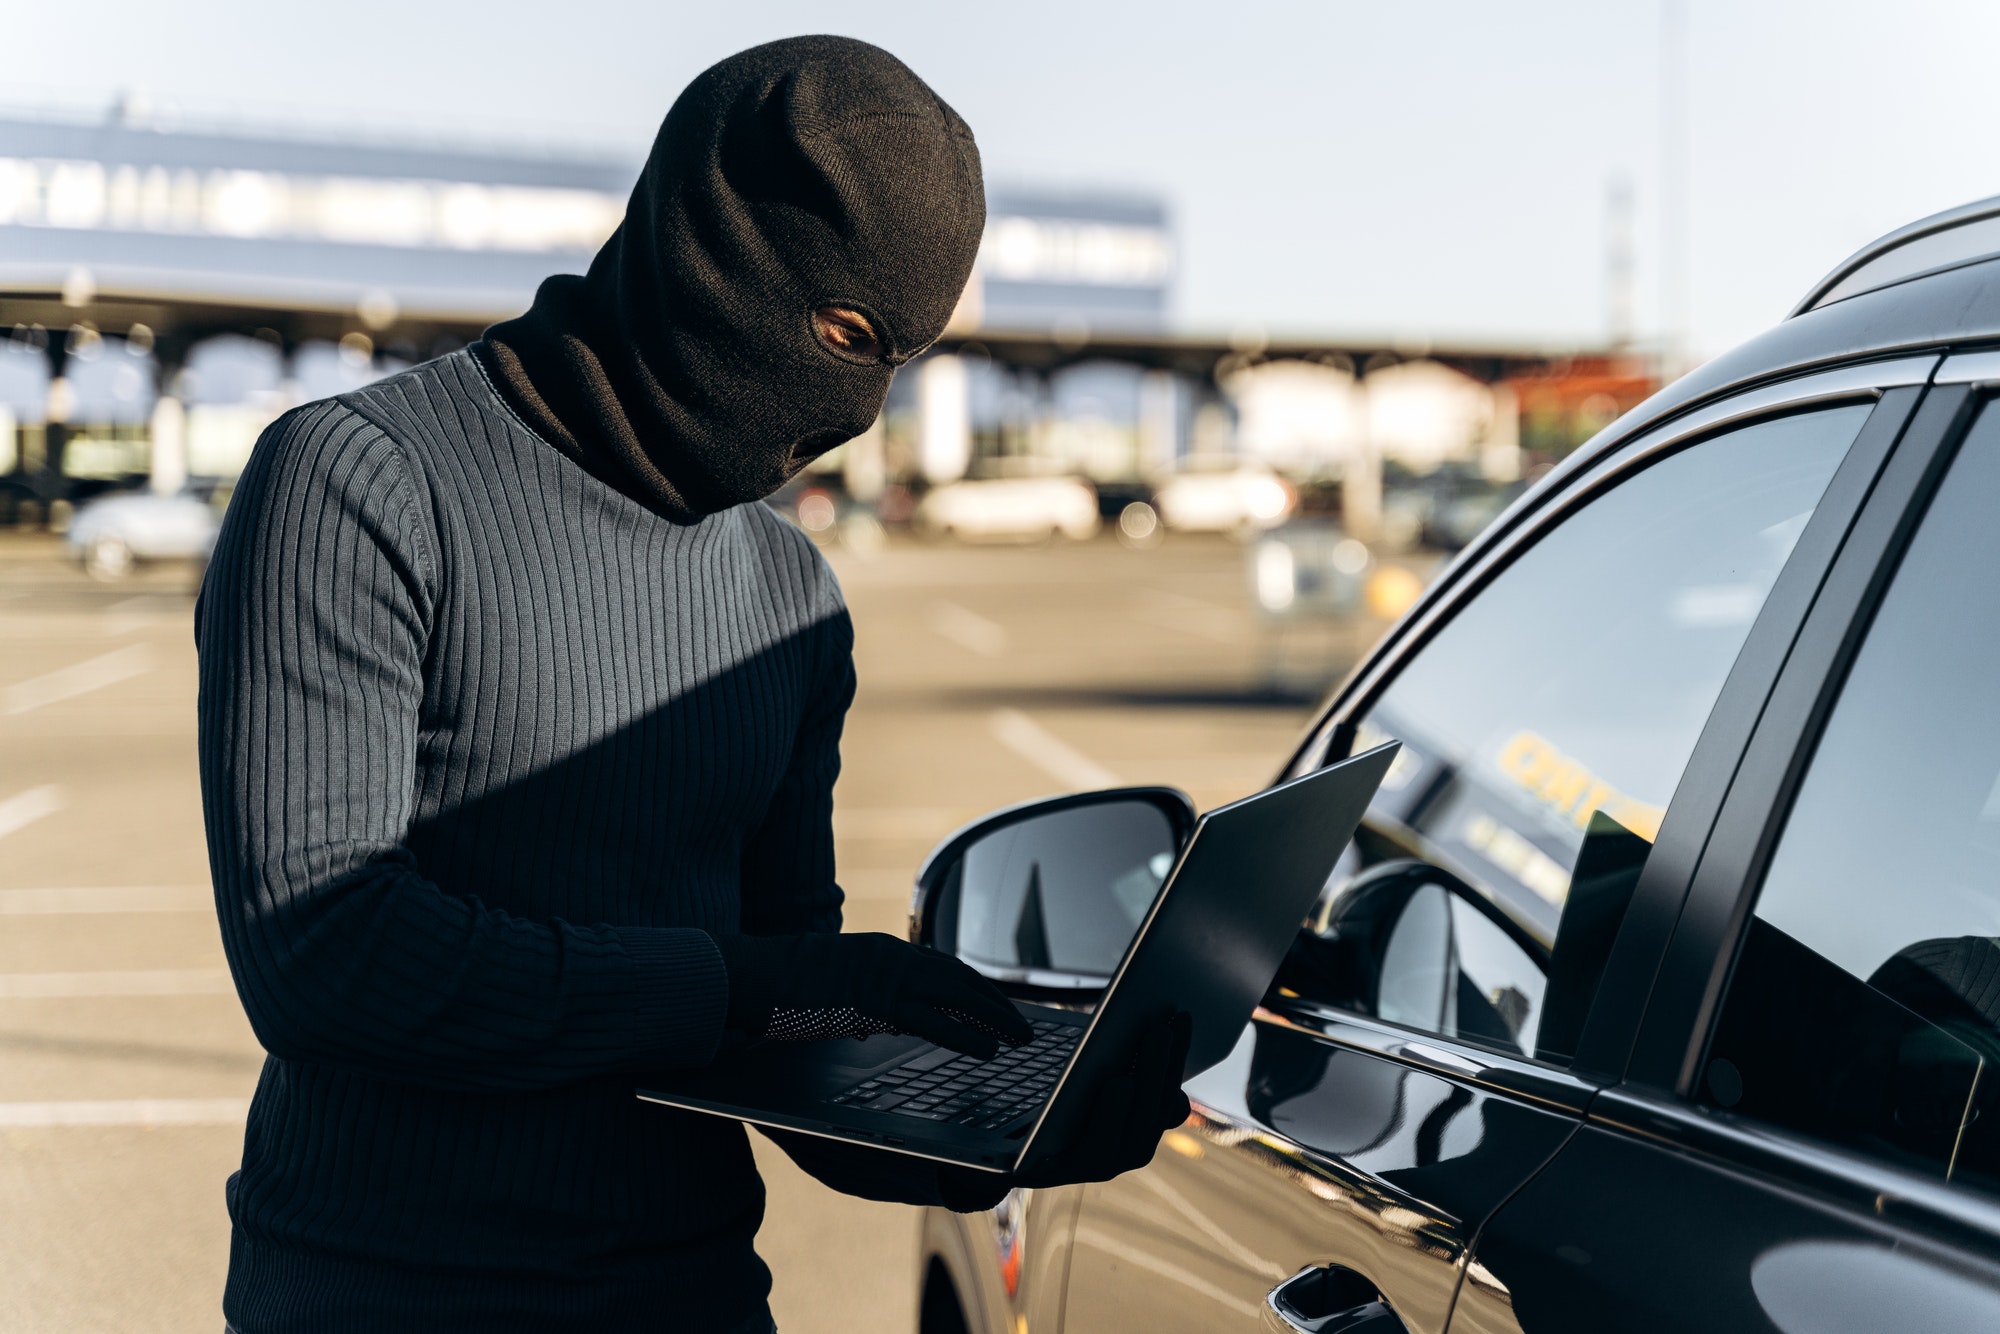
pixel 1808 1137
pixel 1361 1133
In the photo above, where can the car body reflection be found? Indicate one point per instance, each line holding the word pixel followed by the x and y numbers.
pixel 1302 1153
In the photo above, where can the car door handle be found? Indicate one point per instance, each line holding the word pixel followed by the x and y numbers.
pixel 1328 1300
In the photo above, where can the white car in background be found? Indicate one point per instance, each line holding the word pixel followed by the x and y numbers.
pixel 1238 500
pixel 1010 509
pixel 111 535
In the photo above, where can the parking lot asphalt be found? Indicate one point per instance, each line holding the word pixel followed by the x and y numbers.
pixel 988 675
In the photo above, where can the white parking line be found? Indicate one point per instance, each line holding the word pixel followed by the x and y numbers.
pixel 899 822
pixel 144 612
pixel 967 629
pixel 24 808
pixel 1191 616
pixel 107 898
pixel 117 982
pixel 1049 753
pixel 80 679
pixel 127 1112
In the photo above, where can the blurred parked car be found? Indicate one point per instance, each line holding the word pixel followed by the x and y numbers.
pixel 1238 500
pixel 1010 509
pixel 1660 987
pixel 112 534
pixel 1461 503
pixel 1444 508
pixel 1305 570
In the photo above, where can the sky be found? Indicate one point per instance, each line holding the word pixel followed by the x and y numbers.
pixel 1434 172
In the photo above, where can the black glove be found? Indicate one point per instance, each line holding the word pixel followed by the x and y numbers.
pixel 1132 1106
pixel 832 985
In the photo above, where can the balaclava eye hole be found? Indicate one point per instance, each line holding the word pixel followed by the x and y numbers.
pixel 850 332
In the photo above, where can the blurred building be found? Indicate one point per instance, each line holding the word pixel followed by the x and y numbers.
pixel 1071 264
pixel 123 213
pixel 164 293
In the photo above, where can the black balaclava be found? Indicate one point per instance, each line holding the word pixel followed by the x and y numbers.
pixel 684 367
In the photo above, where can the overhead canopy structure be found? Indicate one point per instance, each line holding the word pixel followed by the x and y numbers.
pixel 168 238
pixel 1205 357
pixel 191 233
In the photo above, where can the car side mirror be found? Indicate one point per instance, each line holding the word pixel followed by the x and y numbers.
pixel 1412 943
pixel 1044 898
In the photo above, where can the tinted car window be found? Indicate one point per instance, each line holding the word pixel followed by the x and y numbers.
pixel 1446 969
pixel 1576 683
pixel 1865 1007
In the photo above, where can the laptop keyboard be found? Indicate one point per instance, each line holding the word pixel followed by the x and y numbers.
pixel 946 1086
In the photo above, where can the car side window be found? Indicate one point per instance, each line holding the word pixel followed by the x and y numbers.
pixel 1865 1004
pixel 1545 727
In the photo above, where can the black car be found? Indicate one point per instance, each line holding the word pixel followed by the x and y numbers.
pixel 1660 988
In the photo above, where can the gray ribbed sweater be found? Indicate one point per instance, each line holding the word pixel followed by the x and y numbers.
pixel 487 748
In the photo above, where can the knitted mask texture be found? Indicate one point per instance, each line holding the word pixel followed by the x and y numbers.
pixel 683 368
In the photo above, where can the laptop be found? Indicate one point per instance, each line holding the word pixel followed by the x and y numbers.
pixel 1209 945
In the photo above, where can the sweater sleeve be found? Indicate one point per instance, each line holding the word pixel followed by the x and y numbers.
pixel 788 883
pixel 312 629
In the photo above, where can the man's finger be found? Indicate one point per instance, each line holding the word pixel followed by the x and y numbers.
pixel 995 1009
pixel 933 1025
pixel 957 987
pixel 1006 1039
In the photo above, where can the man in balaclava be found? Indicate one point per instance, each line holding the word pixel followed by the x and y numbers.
pixel 519 724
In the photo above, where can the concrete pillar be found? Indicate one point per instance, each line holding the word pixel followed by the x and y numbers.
pixel 1211 434
pixel 1500 454
pixel 944 419
pixel 1037 414
pixel 289 393
pixel 50 484
pixel 1159 423
pixel 169 423
pixel 1361 479
pixel 170 454
pixel 866 468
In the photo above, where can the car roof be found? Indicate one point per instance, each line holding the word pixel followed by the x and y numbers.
pixel 1947 240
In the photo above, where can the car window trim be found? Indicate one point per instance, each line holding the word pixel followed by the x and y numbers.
pixel 1897 1197
pixel 1496 1072
pixel 1970 367
pixel 1694 971
pixel 1331 733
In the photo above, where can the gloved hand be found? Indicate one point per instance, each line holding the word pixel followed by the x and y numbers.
pixel 825 984
pixel 1136 1103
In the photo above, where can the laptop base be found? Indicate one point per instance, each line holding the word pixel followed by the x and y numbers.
pixel 792 1087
